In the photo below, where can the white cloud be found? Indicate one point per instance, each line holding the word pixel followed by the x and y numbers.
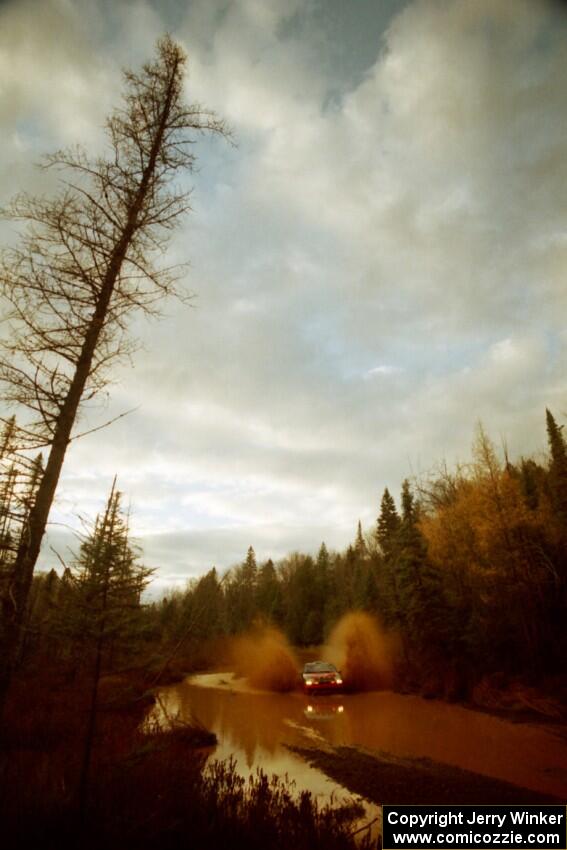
pixel 382 369
pixel 375 271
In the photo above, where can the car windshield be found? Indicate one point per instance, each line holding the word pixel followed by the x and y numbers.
pixel 319 667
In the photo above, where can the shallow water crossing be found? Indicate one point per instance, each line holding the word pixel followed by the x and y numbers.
pixel 254 726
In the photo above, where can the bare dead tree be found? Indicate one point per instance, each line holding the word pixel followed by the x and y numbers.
pixel 19 478
pixel 88 259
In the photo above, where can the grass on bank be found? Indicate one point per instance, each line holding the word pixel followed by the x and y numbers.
pixel 149 787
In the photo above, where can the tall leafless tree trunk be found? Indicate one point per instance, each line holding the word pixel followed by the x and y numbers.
pixel 85 263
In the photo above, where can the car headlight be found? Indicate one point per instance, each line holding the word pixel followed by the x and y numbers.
pixel 308 681
pixel 338 681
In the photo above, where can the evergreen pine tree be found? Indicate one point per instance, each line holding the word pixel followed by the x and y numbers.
pixel 269 593
pixel 387 525
pixel 387 529
pixel 324 571
pixel 531 476
pixel 250 569
pixel 557 466
pixel 420 587
pixel 205 612
pixel 108 584
pixel 241 593
pixel 360 546
pixel 323 561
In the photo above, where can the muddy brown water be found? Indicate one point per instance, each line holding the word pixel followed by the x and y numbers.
pixel 253 726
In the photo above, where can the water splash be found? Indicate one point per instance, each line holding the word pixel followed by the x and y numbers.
pixel 364 653
pixel 266 659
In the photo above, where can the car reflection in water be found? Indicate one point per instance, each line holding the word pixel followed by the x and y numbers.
pixel 323 710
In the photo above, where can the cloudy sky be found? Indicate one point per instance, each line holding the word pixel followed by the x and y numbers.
pixel 379 264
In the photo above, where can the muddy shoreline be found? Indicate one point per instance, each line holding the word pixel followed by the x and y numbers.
pixel 383 778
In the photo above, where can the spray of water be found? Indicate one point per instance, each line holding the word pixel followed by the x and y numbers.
pixel 363 652
pixel 266 659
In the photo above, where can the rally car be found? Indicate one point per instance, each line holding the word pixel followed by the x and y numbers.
pixel 321 676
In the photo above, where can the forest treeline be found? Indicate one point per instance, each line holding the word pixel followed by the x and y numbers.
pixel 468 570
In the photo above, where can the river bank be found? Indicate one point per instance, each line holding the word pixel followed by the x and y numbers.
pixel 386 779
pixel 382 746
pixel 148 785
